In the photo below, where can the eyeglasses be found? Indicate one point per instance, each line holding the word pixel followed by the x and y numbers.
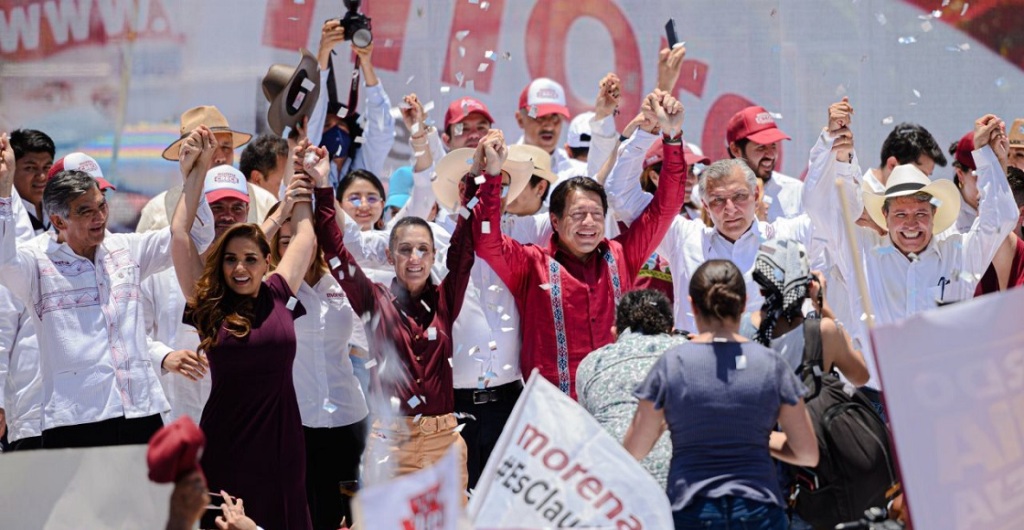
pixel 357 199
pixel 738 199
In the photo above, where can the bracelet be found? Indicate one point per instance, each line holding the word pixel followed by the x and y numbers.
pixel 673 140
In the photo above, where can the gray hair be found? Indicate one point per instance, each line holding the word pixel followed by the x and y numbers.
pixel 722 169
pixel 921 196
pixel 63 188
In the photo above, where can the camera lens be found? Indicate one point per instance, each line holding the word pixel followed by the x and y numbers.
pixel 362 37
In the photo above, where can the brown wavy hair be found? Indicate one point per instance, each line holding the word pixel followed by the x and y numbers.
pixel 213 303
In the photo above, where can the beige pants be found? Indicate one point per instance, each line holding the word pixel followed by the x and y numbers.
pixel 414 444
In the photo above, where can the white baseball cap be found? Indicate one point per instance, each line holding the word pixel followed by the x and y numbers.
pixel 579 130
pixel 545 96
pixel 223 182
pixel 81 162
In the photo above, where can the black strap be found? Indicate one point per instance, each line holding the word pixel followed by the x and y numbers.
pixel 811 368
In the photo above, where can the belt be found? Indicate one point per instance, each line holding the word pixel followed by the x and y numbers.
pixel 423 424
pixel 481 396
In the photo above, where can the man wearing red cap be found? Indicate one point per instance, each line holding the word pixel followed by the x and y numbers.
pixel 466 121
pixel 542 111
pixel 966 179
pixel 754 138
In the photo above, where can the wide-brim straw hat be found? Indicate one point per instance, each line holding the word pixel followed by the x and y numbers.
pixel 539 158
pixel 213 119
pixel 907 180
pixel 454 166
pixel 292 92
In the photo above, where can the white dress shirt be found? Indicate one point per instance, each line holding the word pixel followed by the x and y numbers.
pixel 689 242
pixel 782 195
pixel 898 286
pixel 95 362
pixel 21 385
pixel 163 305
pixel 329 394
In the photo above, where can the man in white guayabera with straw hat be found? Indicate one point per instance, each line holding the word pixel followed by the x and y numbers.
pixel 909 269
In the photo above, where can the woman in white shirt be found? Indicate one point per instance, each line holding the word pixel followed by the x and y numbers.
pixel 331 401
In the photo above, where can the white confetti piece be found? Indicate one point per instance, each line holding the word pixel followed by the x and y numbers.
pixel 343 112
pixel 490 54
pixel 926 26
pixel 880 17
pixel 485 5
pixel 532 111
pixel 416 418
pixel 464 213
pixel 395 403
pixel 472 202
pixel 341 275
pixel 912 256
pixel 461 35
pixel 768 200
pixel 459 77
pixel 474 1
pixel 446 89
pixel 358 139
pixel 776 115
pixel 937 13
pixel 916 93
pixel 507 330
pixel 329 407
pixel 415 128
pixel 335 262
pixel 409 81
pixel 413 402
pixel 887 120
pixel 479 179
pixel 462 51
pixel 424 304
pixel 493 345
pixel 457 129
pixel 469 85
pixel 907 40
pixel 482 67
pixel 451 362
pixel 473 350
pixel 308 84
pixel 428 106
pixel 545 286
pixel 936 202
pixel 388 43
pixel 418 154
pixel 505 317
pixel 495 288
pixel 964 10
pixel 431 333
pixel 507 367
pixel 504 190
pixel 292 302
pixel 370 364
pixel 458 428
pixel 485 227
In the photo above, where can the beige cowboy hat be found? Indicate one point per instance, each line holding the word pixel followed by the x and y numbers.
pixel 454 166
pixel 539 158
pixel 212 118
pixel 907 180
pixel 292 92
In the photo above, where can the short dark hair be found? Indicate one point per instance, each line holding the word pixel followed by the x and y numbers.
pixel 645 311
pixel 262 154
pixel 907 142
pixel 24 141
pixel 355 175
pixel 1015 177
pixel 741 144
pixel 407 222
pixel 956 163
pixel 557 203
pixel 535 181
pixel 718 290
pixel 576 152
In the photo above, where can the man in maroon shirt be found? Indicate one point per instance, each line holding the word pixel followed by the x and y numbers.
pixel 566 292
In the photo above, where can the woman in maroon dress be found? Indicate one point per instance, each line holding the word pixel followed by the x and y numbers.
pixel 245 323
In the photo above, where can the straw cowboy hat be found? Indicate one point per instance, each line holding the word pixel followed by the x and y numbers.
pixel 539 158
pixel 907 180
pixel 292 92
pixel 454 166
pixel 212 118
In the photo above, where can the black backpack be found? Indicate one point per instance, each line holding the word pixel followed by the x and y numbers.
pixel 855 469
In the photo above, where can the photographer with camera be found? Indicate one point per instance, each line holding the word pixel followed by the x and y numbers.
pixel 334 123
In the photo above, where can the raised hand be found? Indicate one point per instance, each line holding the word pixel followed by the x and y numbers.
pixel 413 114
pixel 670 113
pixel 839 115
pixel 6 162
pixel 317 164
pixel 987 130
pixel 495 151
pixel 331 34
pixel 209 149
pixel 300 189
pixel 649 113
pixel 189 151
pixel 670 63
pixel 608 96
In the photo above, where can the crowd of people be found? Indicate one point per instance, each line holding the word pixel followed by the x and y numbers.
pixel 325 323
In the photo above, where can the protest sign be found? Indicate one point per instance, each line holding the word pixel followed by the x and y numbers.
pixel 954 393
pixel 429 499
pixel 555 467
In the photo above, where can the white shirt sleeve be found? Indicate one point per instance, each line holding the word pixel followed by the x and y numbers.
pixel 997 213
pixel 10 321
pixel 18 269
pixel 379 133
pixel 152 251
pixel 318 116
pixel 602 144
pixel 821 199
pixel 625 196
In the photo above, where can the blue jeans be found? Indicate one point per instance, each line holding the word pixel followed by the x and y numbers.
pixel 730 513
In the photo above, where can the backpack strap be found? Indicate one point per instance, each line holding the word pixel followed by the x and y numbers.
pixel 811 368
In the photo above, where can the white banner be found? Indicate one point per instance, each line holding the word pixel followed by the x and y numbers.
pixel 71 489
pixel 555 467
pixel 430 499
pixel 954 393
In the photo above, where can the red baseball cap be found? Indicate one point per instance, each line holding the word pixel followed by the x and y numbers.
pixel 174 451
pixel 546 96
pixel 655 155
pixel 755 124
pixel 81 162
pixel 963 151
pixel 461 108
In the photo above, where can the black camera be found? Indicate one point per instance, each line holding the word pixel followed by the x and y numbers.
pixel 356 24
